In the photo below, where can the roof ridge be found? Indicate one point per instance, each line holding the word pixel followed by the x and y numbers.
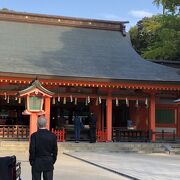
pixel 63 21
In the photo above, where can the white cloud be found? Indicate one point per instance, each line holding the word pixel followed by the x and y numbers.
pixel 140 13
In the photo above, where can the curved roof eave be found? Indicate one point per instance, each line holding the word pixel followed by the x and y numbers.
pixel 58 51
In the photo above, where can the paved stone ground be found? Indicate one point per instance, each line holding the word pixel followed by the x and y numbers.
pixel 140 166
pixel 67 168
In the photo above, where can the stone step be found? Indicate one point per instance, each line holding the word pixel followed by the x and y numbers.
pixel 12 150
pixel 23 146
pixel 175 146
pixel 9 143
pixel 176 150
pixel 172 148
pixel 11 147
pixel 112 147
pixel 15 145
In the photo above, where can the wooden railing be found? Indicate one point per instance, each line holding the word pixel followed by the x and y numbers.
pixel 165 136
pixel 60 135
pixel 101 135
pixel 120 134
pixel 14 131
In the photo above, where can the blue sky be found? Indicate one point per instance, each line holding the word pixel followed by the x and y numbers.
pixel 128 10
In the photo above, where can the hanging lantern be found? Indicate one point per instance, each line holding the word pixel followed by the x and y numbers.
pixel 137 103
pixel 64 101
pixel 8 99
pixel 127 102
pixel 88 99
pixel 75 101
pixel 117 102
pixel 5 95
pixel 71 98
pixel 19 100
pixel 99 100
pixel 59 98
pixel 53 100
pixel 86 103
pixel 146 102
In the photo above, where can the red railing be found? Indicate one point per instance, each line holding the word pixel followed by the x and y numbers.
pixel 60 135
pixel 14 131
pixel 101 135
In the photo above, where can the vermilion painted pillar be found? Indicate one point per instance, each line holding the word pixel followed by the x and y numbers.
pixel 33 123
pixel 99 117
pixel 178 120
pixel 152 117
pixel 47 106
pixel 102 119
pixel 109 118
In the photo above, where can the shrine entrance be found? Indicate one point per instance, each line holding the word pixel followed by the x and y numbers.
pixel 62 115
pixel 120 116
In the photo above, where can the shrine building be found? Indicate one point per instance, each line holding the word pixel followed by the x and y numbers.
pixel 55 65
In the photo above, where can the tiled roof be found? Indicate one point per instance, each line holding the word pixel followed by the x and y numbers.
pixel 75 52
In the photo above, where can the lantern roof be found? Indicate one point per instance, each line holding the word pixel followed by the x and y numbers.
pixel 36 88
pixel 177 101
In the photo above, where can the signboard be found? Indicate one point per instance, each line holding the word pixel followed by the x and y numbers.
pixel 35 103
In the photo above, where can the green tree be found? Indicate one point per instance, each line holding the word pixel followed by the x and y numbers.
pixel 169 6
pixel 5 9
pixel 157 37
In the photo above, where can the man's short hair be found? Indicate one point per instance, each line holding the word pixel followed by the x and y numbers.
pixel 41 122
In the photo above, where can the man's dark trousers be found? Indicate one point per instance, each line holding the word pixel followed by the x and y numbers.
pixel 93 134
pixel 47 175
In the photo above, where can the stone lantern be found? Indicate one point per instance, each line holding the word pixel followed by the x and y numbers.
pixel 37 102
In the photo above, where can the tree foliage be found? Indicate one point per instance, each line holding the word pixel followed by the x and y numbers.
pixel 4 9
pixel 169 6
pixel 157 37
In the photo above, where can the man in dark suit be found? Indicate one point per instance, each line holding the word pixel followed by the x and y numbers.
pixel 92 125
pixel 42 151
pixel 78 125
